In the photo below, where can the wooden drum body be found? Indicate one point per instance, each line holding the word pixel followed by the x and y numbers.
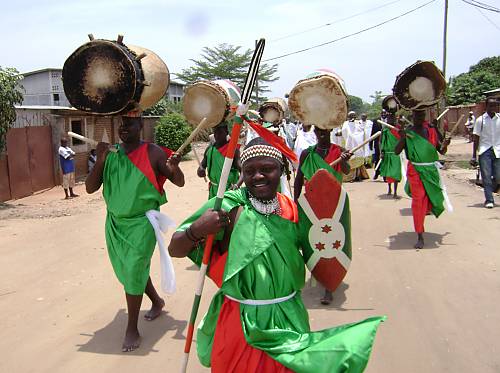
pixel 273 110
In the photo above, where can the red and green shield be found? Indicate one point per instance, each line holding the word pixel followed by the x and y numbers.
pixel 325 229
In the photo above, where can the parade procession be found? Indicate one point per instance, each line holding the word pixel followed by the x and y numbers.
pixel 274 224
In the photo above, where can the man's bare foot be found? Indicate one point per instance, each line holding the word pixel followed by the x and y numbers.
pixel 395 196
pixel 420 243
pixel 74 195
pixel 132 341
pixel 155 310
pixel 327 298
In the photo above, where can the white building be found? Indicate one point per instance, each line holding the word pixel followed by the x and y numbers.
pixel 44 87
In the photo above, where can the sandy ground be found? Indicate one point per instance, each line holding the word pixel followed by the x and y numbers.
pixel 62 310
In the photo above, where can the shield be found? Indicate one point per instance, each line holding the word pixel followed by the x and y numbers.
pixel 325 229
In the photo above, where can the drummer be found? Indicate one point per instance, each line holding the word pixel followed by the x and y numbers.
pixel 317 157
pixel 213 162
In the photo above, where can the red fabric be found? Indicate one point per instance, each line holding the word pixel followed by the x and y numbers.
pixel 334 153
pixel 216 267
pixel 273 140
pixel 167 151
pixel 231 353
pixel 420 204
pixel 223 149
pixel 390 180
pixel 289 209
pixel 140 158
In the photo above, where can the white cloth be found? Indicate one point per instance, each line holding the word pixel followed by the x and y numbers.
pixel 366 126
pixel 353 135
pixel 439 166
pixel 251 134
pixel 262 302
pixel 66 152
pixel 161 223
pixel 488 130
pixel 470 122
pixel 304 140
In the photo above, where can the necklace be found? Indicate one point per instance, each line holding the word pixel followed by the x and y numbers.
pixel 266 208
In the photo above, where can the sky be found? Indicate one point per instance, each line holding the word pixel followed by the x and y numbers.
pixel 40 34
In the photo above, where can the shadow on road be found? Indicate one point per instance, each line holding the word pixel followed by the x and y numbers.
pixel 108 340
pixel 406 240
pixel 192 267
pixel 406 211
pixel 311 295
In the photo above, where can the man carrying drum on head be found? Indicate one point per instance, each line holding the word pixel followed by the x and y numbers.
pixel 424 183
pixel 257 321
pixel 213 160
pixel 132 180
pixel 319 157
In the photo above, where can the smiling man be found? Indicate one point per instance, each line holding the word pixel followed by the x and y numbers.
pixel 257 321
pixel 132 180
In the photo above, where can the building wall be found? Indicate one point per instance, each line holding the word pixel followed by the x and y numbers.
pixel 40 87
pixel 175 91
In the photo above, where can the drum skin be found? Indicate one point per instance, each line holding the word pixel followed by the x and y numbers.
pixel 215 100
pixel 423 69
pixel 320 100
pixel 273 110
pixel 105 77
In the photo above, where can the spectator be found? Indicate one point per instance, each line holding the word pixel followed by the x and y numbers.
pixel 68 168
pixel 92 159
pixel 469 125
pixel 486 136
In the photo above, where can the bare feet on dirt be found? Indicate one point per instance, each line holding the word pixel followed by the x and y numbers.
pixel 155 310
pixel 132 341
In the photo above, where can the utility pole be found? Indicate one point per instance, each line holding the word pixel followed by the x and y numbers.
pixel 445 34
pixel 257 82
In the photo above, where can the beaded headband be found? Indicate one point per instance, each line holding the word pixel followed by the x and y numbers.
pixel 261 151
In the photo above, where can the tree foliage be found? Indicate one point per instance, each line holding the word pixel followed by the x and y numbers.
pixel 376 104
pixel 10 95
pixel 163 107
pixel 226 61
pixel 469 87
pixel 172 130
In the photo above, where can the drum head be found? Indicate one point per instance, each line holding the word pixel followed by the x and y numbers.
pixel 419 86
pixel 100 77
pixel 390 104
pixel 205 100
pixel 319 101
pixel 273 110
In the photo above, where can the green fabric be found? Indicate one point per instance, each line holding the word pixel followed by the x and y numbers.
pixel 215 163
pixel 390 166
pixel 313 162
pixel 420 150
pixel 264 262
pixel 130 238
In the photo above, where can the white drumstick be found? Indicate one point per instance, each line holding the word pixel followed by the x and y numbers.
pixel 442 114
pixel 395 128
pixel 356 148
pixel 89 141
pixel 192 135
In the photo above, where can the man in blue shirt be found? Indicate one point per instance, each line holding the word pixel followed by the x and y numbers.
pixel 68 168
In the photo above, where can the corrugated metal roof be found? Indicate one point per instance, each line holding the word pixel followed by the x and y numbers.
pixel 43 107
pixel 41 71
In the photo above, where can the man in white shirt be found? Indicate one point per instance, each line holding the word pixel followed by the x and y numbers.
pixel 366 125
pixel 487 144
pixel 469 125
pixel 353 134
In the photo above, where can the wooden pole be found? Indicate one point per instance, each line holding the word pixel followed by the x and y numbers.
pixel 445 36
pixel 89 141
pixel 192 135
pixel 356 148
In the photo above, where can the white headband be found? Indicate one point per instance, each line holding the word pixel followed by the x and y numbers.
pixel 261 151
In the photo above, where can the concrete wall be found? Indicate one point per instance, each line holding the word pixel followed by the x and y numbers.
pixel 175 91
pixel 40 87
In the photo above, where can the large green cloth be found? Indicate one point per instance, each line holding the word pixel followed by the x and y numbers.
pixel 420 150
pixel 390 166
pixel 130 238
pixel 215 163
pixel 264 262
pixel 313 162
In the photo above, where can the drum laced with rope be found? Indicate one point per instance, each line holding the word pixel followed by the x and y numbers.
pixel 390 104
pixel 273 110
pixel 107 77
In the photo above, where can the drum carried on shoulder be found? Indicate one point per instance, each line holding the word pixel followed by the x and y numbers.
pixel 273 110
pixel 215 100
pixel 107 77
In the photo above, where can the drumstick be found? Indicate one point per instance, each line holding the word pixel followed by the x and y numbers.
pixel 395 128
pixel 89 141
pixel 199 163
pixel 455 127
pixel 192 135
pixel 443 113
pixel 356 148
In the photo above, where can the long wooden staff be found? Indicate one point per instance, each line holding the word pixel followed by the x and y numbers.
pixel 356 148
pixel 395 128
pixel 198 161
pixel 89 141
pixel 228 161
pixel 442 114
pixel 193 134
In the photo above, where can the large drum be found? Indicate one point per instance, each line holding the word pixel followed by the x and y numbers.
pixel 108 77
pixel 215 100
pixel 419 86
pixel 320 100
pixel 390 104
pixel 273 110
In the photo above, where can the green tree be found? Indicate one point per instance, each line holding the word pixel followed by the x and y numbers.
pixel 356 104
pixel 172 130
pixel 226 61
pixel 469 87
pixel 163 107
pixel 376 106
pixel 10 95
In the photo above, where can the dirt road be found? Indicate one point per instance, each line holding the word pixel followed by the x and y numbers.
pixel 62 310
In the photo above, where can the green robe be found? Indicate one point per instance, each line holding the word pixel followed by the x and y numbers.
pixel 215 162
pixel 130 238
pixel 313 162
pixel 420 150
pixel 390 166
pixel 264 262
